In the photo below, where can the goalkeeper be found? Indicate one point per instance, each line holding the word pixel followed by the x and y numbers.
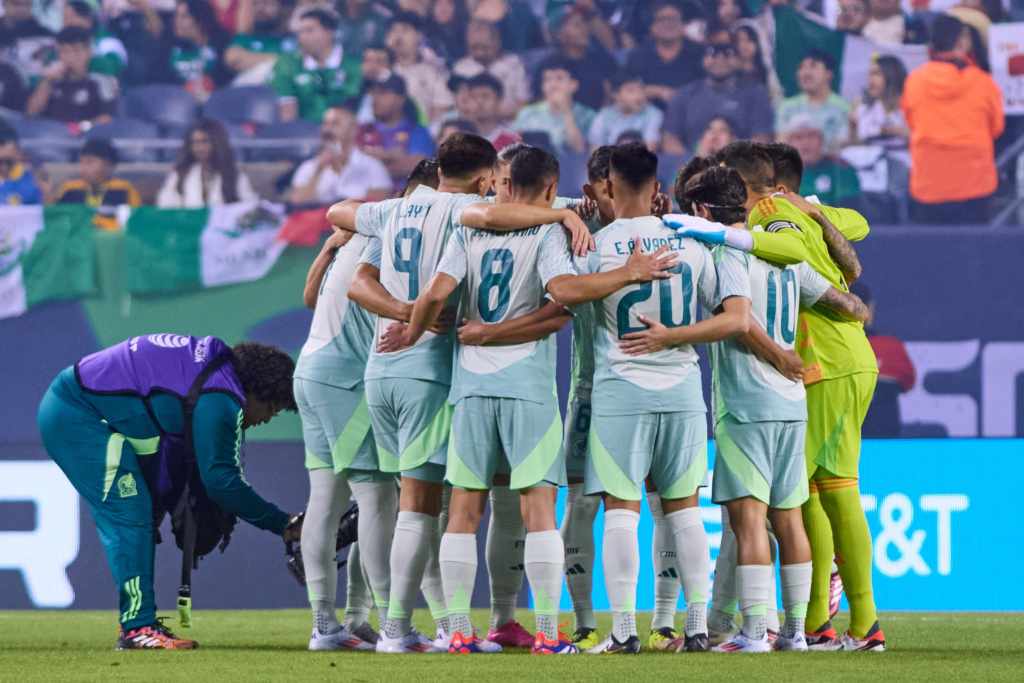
pixel 180 403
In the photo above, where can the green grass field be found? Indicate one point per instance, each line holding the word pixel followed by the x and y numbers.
pixel 270 645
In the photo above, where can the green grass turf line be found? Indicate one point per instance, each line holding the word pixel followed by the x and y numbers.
pixel 270 645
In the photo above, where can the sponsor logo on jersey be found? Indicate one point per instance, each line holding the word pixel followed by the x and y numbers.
pixel 168 341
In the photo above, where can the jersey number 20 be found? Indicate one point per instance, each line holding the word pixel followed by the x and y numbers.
pixel 644 292
pixel 495 273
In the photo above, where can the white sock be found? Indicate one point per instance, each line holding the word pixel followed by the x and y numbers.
pixel 621 554
pixel 328 498
pixel 694 557
pixel 666 576
pixel 410 549
pixel 358 599
pixel 723 590
pixel 432 586
pixel 577 532
pixel 796 593
pixel 378 513
pixel 458 571
pixel 754 583
pixel 545 559
pixel 504 552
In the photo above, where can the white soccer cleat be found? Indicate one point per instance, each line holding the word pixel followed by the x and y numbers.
pixel 740 643
pixel 441 642
pixel 342 639
pixel 797 643
pixel 412 643
pixel 874 641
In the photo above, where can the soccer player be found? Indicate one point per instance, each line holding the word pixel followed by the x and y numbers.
pixel 649 411
pixel 506 414
pixel 181 404
pixel 840 373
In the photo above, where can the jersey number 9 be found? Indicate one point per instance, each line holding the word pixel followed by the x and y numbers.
pixel 408 245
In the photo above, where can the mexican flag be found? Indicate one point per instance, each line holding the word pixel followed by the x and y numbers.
pixel 46 253
pixel 796 33
pixel 170 250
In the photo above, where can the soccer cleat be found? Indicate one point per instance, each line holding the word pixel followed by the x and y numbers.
pixel 561 646
pixel 586 639
pixel 698 642
pixel 611 646
pixel 441 642
pixel 716 637
pixel 835 592
pixel 772 636
pixel 342 639
pixel 798 643
pixel 663 639
pixel 468 645
pixel 511 634
pixel 874 641
pixel 413 642
pixel 365 633
pixel 156 636
pixel 825 639
pixel 741 643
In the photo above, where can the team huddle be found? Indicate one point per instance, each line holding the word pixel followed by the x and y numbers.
pixel 431 362
pixel 432 357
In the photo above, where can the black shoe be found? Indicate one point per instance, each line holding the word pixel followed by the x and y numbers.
pixel 156 636
pixel 698 642
pixel 611 646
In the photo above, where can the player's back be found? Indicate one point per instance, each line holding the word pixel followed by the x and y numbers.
pixel 341 333
pixel 651 382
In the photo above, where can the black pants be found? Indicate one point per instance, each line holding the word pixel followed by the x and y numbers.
pixel 968 212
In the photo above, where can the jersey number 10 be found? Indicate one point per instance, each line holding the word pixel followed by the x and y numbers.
pixel 788 326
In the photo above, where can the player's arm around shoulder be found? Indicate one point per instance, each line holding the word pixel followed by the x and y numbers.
pixel 777 235
pixel 366 288
pixel 817 292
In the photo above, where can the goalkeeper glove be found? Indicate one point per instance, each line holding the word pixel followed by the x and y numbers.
pixel 709 232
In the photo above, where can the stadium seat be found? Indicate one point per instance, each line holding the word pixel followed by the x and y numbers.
pixel 168 106
pixel 304 134
pixel 35 135
pixel 129 129
pixel 251 104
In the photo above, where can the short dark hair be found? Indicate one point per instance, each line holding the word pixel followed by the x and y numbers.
pixel 625 76
pixel 8 134
pixel 408 18
pixel 82 9
pixel 721 190
pixel 751 161
pixel 693 167
pixel 325 17
pixel 787 164
pixel 819 55
pixel 486 80
pixel 100 148
pixel 532 169
pixel 946 30
pixel 425 173
pixel 74 35
pixel 462 154
pixel 598 163
pixel 509 152
pixel 265 373
pixel 634 163
pixel 463 125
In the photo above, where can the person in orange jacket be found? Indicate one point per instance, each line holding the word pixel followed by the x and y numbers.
pixel 955 113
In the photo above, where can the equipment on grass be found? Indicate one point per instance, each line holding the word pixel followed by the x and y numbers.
pixel 348 533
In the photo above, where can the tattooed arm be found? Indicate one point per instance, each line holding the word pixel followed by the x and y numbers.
pixel 846 305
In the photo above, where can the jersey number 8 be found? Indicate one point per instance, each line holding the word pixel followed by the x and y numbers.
pixel 495 272
pixel 644 292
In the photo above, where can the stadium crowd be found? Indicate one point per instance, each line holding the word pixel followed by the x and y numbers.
pixel 383 83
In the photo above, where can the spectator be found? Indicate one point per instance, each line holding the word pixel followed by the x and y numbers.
pixel 888 25
pixel 719 93
pixel 955 113
pixel 17 184
pixel 853 16
pixel 878 117
pixel 362 24
pixel 446 29
pixel 488 117
pixel 68 92
pixel 96 185
pixel 558 114
pixel 465 103
pixel 13 92
pixel 630 111
pixel 752 65
pixel 485 55
pixel 520 30
pixel 719 133
pixel 234 16
pixel 196 57
pixel 205 173
pixel 833 181
pixel 394 137
pixel 108 53
pixel 668 60
pixel 340 170
pixel 251 56
pixel 589 63
pixel 307 80
pixel 424 76
pixel 817 100
pixel 26 42
pixel 452 126
pixel 727 13
pixel 376 66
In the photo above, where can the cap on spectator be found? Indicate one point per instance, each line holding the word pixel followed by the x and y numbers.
pixel 101 148
pixel 487 80
pixel 802 122
pixel 73 35
pixel 393 83
pixel 408 18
